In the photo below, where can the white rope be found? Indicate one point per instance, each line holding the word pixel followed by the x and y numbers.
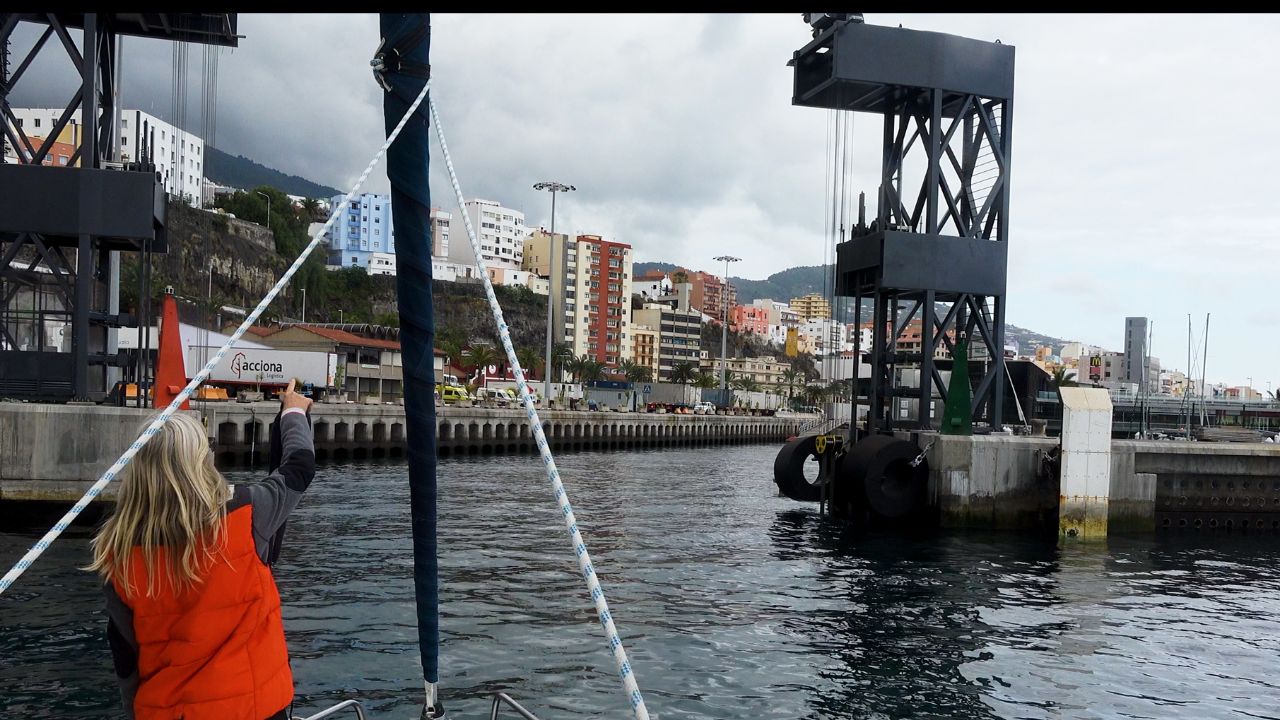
pixel 625 673
pixel 36 550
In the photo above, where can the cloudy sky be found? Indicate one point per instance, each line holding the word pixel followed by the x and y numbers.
pixel 1142 179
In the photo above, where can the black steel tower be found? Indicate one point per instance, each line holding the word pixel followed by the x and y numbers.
pixel 936 251
pixel 59 225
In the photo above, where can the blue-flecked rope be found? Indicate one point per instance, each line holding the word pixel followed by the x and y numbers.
pixel 43 544
pixel 630 687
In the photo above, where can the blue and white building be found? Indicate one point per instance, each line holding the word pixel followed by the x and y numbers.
pixel 362 230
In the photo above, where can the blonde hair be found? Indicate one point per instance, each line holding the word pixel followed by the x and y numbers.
pixel 171 505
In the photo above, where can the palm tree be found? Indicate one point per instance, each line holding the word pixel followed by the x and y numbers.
pixel 815 394
pixel 747 383
pixel 838 390
pixel 590 370
pixel 561 354
pixel 1063 377
pixel 640 373
pixel 530 359
pixel 706 381
pixel 623 367
pixel 635 372
pixel 311 210
pixel 573 365
pixel 451 347
pixel 789 378
pixel 481 356
pixel 684 371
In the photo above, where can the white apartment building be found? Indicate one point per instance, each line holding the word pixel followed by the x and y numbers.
pixel 440 221
pixel 501 232
pixel 178 154
pixel 781 319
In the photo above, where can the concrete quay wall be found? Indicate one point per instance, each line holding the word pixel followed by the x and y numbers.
pixel 54 452
pixel 1004 482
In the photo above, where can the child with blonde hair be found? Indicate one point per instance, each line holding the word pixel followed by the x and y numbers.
pixel 193 612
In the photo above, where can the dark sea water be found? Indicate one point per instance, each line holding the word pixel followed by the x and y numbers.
pixel 733 603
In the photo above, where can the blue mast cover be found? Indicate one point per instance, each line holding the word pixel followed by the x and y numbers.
pixel 407 42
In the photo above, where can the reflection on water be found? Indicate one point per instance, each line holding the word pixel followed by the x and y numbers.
pixel 734 603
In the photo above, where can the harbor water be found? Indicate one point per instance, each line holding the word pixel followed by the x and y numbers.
pixel 734 603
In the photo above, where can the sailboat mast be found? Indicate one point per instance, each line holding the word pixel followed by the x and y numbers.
pixel 1204 362
pixel 1186 394
pixel 404 58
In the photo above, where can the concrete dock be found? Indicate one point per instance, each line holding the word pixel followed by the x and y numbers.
pixel 1007 482
pixel 53 452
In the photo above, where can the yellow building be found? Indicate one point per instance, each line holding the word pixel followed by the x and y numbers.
pixel 811 307
pixel 644 347
pixel 765 370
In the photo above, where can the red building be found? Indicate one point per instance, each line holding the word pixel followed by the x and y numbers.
pixel 750 319
pixel 602 291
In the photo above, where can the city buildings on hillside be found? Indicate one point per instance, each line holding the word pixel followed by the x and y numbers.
pixel 679 329
pixel 811 307
pixel 177 154
pixel 501 232
pixel 363 227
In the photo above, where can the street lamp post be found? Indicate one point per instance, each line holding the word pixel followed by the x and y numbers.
pixel 268 197
pixel 553 188
pixel 724 324
pixel 304 305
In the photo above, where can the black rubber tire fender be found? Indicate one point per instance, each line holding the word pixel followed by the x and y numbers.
pixel 881 465
pixel 788 470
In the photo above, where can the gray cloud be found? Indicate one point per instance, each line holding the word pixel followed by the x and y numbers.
pixel 1142 163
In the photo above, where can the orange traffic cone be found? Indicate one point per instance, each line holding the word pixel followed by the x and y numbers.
pixel 171 369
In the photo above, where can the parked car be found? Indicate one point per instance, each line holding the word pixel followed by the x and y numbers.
pixel 704 408
pixel 452 394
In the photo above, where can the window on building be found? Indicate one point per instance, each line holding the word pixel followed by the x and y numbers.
pixel 124 141
pixel 354 260
pixel 37 122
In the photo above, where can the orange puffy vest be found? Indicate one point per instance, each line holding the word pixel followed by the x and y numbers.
pixel 215 650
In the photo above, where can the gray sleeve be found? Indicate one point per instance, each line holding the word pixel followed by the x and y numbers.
pixel 124 647
pixel 274 498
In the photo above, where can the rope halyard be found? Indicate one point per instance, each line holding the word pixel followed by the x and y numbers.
pixel 630 687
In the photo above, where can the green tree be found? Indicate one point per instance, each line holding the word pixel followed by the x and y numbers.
pixel 706 381
pixel 1062 377
pixel 590 370
pixel 479 356
pixel 838 390
pixel 815 394
pixel 561 354
pixel 634 372
pixel 530 359
pixel 746 383
pixel 684 371
pixel 790 378
pixel 574 366
pixel 311 210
